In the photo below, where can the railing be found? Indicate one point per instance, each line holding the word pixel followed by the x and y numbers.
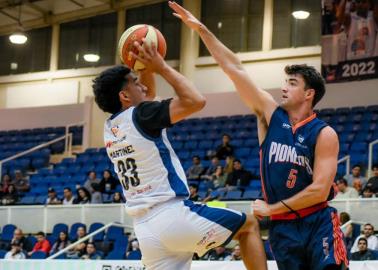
pixel 87 237
pixel 67 150
pixel 370 162
pixel 67 127
pixel 347 160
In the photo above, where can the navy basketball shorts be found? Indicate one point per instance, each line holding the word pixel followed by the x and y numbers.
pixel 314 242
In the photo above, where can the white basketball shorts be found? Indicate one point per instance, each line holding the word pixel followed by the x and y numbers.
pixel 171 232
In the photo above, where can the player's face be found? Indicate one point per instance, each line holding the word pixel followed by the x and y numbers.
pixel 294 92
pixel 134 90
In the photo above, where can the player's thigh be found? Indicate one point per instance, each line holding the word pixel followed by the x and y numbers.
pixel 199 228
pixel 287 247
pixel 327 247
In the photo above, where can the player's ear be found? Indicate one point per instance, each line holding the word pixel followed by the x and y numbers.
pixel 310 93
pixel 123 96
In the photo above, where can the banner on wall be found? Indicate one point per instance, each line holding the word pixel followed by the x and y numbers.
pixel 349 40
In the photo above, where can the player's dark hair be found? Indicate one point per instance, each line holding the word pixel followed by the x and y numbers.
pixel 312 78
pixel 106 87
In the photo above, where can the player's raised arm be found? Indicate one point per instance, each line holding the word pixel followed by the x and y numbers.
pixel 147 78
pixel 259 101
pixel 189 100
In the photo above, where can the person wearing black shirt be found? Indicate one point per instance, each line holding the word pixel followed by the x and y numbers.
pixel 372 183
pixel 363 253
pixel 225 149
pixel 239 177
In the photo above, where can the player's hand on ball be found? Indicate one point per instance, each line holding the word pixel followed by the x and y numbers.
pixel 261 208
pixel 149 56
pixel 186 17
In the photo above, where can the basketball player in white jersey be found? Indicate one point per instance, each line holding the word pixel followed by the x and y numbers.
pixel 169 227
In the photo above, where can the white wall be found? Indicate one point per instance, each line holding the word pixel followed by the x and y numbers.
pixel 40 117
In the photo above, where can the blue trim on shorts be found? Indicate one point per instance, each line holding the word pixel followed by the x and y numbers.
pixel 222 216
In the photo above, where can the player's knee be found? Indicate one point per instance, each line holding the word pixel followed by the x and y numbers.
pixel 251 225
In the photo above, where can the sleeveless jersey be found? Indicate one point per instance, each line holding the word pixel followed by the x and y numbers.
pixel 287 156
pixel 147 167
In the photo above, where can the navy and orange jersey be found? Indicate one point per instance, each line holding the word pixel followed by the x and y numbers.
pixel 287 155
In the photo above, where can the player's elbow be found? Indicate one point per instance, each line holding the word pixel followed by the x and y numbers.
pixel 197 104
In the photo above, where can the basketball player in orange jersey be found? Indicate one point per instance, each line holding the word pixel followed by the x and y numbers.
pixel 298 160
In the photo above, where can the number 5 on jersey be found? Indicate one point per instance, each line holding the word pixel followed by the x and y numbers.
pixel 125 168
pixel 290 183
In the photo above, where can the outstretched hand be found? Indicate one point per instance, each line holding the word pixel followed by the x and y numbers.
pixel 149 56
pixel 186 17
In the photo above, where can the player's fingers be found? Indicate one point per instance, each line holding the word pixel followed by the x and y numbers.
pixel 176 7
pixel 177 15
pixel 153 48
pixel 139 47
pixel 137 57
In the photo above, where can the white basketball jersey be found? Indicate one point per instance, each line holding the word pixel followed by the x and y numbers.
pixel 148 168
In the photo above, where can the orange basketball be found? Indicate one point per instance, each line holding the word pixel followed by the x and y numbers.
pixel 136 33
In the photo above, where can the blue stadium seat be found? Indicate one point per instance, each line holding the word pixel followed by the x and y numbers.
pixel 190 145
pixel 242 152
pixel 40 199
pixel 115 255
pixel 95 226
pixel 134 255
pixel 7 233
pixel 359 147
pixel 38 255
pixel 59 227
pixel 205 145
pixel 251 195
pixel 32 240
pixel 233 195
pixel 121 244
pixel 113 233
pixel 2 253
pixel 27 200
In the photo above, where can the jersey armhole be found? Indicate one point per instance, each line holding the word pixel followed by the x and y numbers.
pixel 269 126
pixel 140 130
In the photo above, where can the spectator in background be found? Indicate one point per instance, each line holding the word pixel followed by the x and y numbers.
pixel 345 192
pixel 83 196
pixel 229 167
pixel 212 168
pixel 68 197
pixel 6 181
pixel 134 248
pixel 108 182
pixel 52 198
pixel 18 236
pixel 348 230
pixel 367 193
pixel 225 149
pixel 219 178
pixel 16 252
pixel 236 254
pixel 196 170
pixel 91 179
pixel 96 194
pixel 11 196
pixel 91 252
pixel 117 198
pixel 239 177
pixel 20 182
pixel 363 253
pixel 78 250
pixel 372 183
pixel 355 179
pixel 218 254
pixel 61 243
pixel 41 245
pixel 80 233
pixel 193 189
pixel 368 234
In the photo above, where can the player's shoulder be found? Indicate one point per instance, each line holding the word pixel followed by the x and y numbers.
pixel 328 135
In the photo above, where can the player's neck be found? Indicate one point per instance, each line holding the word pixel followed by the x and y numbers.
pixel 299 114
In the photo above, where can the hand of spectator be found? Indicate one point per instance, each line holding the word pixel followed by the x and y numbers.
pixel 261 208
